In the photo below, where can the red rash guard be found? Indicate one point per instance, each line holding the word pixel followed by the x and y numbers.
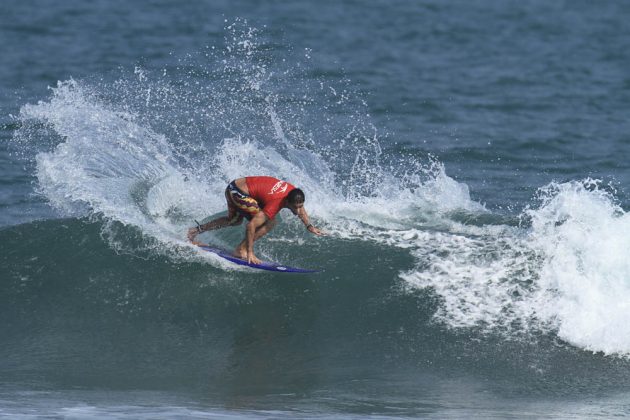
pixel 268 192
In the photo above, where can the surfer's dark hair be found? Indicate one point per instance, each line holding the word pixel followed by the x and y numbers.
pixel 296 196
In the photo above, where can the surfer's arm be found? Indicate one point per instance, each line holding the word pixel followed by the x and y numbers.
pixel 303 215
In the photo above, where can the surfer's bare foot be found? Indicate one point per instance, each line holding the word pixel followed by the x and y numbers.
pixel 252 259
pixel 240 252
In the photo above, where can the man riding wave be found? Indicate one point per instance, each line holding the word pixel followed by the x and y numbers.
pixel 258 199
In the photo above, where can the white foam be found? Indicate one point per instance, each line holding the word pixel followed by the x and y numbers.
pixel 568 273
pixel 583 238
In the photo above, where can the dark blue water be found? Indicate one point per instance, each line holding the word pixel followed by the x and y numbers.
pixel 469 162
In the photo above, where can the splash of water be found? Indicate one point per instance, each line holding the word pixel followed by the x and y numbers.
pixel 565 272
pixel 583 238
pixel 153 150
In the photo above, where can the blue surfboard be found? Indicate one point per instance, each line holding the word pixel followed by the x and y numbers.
pixel 269 266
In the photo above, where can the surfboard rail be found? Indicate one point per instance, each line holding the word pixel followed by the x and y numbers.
pixel 265 265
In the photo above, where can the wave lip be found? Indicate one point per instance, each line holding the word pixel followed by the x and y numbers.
pixel 567 273
pixel 583 237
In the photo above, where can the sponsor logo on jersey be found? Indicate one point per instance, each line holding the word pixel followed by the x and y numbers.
pixel 279 187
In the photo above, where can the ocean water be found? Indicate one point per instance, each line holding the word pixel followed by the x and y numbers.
pixel 468 160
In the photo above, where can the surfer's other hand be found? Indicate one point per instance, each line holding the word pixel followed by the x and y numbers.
pixel 192 234
pixel 315 231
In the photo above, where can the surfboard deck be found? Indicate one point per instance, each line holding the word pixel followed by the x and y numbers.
pixel 265 265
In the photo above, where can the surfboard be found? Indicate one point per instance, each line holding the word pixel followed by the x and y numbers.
pixel 265 265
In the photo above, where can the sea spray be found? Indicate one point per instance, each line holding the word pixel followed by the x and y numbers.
pixel 583 238
pixel 153 149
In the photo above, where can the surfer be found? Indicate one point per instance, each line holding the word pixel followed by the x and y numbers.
pixel 258 199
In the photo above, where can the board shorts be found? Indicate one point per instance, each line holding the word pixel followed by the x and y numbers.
pixel 245 205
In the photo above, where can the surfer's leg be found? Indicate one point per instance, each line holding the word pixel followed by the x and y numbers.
pixel 218 223
pixel 233 218
pixel 265 228
pixel 241 249
pixel 221 222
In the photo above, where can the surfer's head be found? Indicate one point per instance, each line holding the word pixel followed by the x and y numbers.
pixel 296 196
pixel 295 200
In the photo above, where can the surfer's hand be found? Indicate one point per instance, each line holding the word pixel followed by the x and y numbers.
pixel 315 231
pixel 192 234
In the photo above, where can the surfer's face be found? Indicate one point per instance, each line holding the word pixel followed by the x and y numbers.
pixel 295 207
